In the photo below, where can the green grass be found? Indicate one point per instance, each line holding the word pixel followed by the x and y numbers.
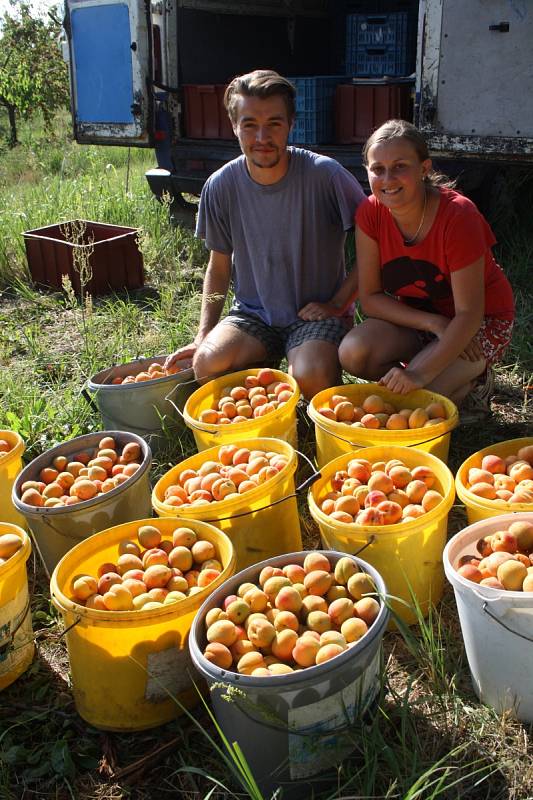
pixel 429 737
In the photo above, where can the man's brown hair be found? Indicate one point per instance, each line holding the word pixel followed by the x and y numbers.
pixel 259 83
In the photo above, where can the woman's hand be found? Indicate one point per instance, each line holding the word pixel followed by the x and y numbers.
pixel 473 351
pixel 401 381
pixel 439 323
pixel 317 311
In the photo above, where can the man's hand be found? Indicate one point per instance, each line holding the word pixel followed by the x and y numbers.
pixel 401 381
pixel 181 358
pixel 317 311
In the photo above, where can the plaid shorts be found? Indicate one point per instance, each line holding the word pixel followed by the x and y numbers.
pixel 493 336
pixel 278 341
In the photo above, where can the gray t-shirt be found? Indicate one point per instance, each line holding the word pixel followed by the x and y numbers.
pixel 286 239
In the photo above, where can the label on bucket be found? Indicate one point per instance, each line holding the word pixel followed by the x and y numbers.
pixel 16 634
pixel 321 740
pixel 169 673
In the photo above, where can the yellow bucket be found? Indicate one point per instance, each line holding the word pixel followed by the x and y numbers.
pixel 16 634
pixel 407 555
pixel 335 438
pixel 261 523
pixel 477 508
pixel 279 424
pixel 128 666
pixel 10 466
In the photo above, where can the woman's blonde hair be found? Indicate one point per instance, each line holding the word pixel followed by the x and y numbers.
pixel 401 129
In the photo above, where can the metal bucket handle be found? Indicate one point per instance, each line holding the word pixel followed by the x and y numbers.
pixel 489 613
pixel 355 444
pixel 304 485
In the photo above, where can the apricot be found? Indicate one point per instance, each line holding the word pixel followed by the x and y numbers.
pixel 157 576
pixel 523 533
pixel 329 413
pixel 284 643
pixel 177 583
pixel 319 621
pixel 213 615
pixel 96 602
pixel 470 572
pixel 399 496
pixel 512 575
pixel 286 620
pixel 154 556
pixel 83 586
pixel 294 572
pixel 431 500
pixel 340 610
pixel 367 609
pixel 316 561
pixel 436 410
pixel 521 471
pixel 503 542
pixel 493 583
pixel 288 599
pixel 223 631
pixel 491 563
pixel 527 585
pixel 369 516
pixel 485 490
pixel 526 453
pixel 373 404
pixel 318 581
pixel 238 611
pixel 312 602
pixel 370 421
pixel 338 398
pixel 374 498
pixel 359 469
pixel 305 651
pixel 360 584
pixel 344 569
pixel 392 512
pixel 353 629
pixel 327 652
pixel 118 598
pixel 149 536
pixel 261 632
pixel 415 491
pixel 128 561
pixel 130 452
pixel 219 655
pixel 344 411
pixel 493 463
pixel 381 482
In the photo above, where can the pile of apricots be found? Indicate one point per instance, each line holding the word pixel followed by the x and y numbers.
pixel 150 572
pixel 509 479
pixel 153 372
pixel 260 395
pixel 238 470
pixel 10 543
pixel 375 413
pixel 295 617
pixel 382 493
pixel 504 560
pixel 85 475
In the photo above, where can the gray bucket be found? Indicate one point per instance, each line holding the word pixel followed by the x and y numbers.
pixel 293 727
pixel 147 408
pixel 56 530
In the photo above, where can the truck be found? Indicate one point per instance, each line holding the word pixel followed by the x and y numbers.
pixel 152 74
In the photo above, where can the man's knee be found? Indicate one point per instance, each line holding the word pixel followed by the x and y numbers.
pixel 314 377
pixel 209 362
pixel 354 354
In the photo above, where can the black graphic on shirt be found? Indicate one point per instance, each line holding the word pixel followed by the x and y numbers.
pixel 417 282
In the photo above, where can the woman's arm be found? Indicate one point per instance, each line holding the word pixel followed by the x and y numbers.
pixel 468 295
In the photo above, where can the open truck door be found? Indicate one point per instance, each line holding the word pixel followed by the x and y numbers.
pixel 110 55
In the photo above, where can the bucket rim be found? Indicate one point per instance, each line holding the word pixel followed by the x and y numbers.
pixel 205 427
pixel 64 604
pixel 96 386
pixel 17 448
pixel 408 527
pixel 487 593
pixel 254 494
pixel 470 499
pixel 297 677
pixel 21 556
pixel 331 426
pixel 48 455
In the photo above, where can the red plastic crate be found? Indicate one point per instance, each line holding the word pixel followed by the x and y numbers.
pixel 205 115
pixel 116 260
pixel 362 107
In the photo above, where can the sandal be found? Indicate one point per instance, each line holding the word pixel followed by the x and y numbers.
pixel 476 405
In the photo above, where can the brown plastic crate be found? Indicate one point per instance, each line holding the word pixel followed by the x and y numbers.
pixel 361 108
pixel 205 115
pixel 116 260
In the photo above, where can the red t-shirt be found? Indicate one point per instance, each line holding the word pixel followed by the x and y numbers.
pixel 419 274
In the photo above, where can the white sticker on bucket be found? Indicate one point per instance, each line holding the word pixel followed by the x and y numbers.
pixel 321 740
pixel 169 673
pixel 16 635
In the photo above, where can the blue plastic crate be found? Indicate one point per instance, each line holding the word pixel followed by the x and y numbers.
pixel 314 109
pixel 376 44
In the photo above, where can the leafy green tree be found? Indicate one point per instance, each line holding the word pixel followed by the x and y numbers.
pixel 33 75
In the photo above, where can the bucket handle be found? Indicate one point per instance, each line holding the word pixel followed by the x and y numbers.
pixel 90 401
pixel 304 485
pixel 356 444
pixel 180 412
pixel 489 613
pixel 8 642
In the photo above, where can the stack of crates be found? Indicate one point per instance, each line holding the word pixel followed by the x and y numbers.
pixel 376 44
pixel 314 109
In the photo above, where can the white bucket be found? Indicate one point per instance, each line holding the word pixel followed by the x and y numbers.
pixel 497 626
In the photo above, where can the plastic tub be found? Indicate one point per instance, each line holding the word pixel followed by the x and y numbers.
pixel 407 555
pixel 57 530
pixel 142 408
pixel 477 508
pixel 16 634
pixel 335 438
pixel 261 523
pixel 291 727
pixel 279 424
pixel 497 627
pixel 128 667
pixel 10 466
